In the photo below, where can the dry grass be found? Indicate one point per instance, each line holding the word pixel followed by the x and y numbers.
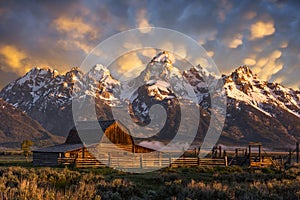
pixel 181 183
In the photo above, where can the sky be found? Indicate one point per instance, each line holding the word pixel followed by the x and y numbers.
pixel 263 35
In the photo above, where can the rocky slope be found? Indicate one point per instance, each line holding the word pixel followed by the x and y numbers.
pixel 16 126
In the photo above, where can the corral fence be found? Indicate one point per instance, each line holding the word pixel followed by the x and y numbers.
pixel 142 161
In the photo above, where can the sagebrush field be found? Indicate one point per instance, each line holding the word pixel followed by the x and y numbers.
pixel 170 183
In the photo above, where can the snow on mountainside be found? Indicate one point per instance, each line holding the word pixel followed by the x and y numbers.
pixel 260 111
pixel 47 96
pixel 46 87
pixel 163 73
pixel 243 85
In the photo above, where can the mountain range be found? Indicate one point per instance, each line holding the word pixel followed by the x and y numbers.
pixel 256 110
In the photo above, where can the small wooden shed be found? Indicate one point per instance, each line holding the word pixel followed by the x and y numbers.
pixel 74 150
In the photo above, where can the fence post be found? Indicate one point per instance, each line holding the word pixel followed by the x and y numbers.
pixel 297 152
pixel 160 158
pixel 259 153
pixel 108 160
pixel 226 161
pixel 250 154
pixel 141 161
pixel 220 152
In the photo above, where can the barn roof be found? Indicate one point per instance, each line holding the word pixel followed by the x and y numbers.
pixel 60 148
pixel 90 134
pixel 90 128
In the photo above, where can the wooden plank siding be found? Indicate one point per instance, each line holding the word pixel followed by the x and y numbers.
pixel 47 159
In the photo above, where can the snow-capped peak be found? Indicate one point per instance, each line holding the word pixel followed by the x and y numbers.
pixel 243 72
pixel 99 73
pixel 244 86
pixel 161 57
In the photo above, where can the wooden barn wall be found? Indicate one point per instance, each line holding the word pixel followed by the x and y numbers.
pixel 43 158
pixel 140 149
pixel 117 135
pixel 79 153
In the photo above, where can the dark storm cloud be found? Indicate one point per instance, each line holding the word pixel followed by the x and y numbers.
pixel 45 31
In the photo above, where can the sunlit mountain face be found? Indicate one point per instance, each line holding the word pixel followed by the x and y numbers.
pixel 262 35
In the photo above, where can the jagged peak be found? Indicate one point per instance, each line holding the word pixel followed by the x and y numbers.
pixel 161 57
pixel 99 72
pixel 75 69
pixel 99 67
pixel 244 70
pixel 43 70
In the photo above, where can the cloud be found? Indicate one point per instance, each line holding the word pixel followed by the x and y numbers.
pixel 14 58
pixel 129 64
pixel 76 33
pixel 261 29
pixel 284 44
pixel 223 8
pixel 250 15
pixel 75 27
pixel 61 34
pixel 268 66
pixel 74 45
pixel 249 61
pixel 206 36
pixel 236 41
pixel 210 53
pixel 142 21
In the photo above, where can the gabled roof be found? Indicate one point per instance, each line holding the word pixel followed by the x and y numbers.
pixel 90 128
pixel 91 135
pixel 60 148
pixel 73 141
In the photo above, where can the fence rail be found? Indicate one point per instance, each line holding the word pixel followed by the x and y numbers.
pixel 142 162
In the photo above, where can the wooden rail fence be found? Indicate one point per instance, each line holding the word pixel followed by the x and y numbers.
pixel 142 162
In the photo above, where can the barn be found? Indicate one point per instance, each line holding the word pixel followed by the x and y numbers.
pixel 74 151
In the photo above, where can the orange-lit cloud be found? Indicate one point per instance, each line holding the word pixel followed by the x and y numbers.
pixel 202 62
pixel 14 58
pixel 210 53
pixel 284 44
pixel 77 33
pixel 236 41
pixel 261 29
pixel 142 21
pixel 75 27
pixel 73 45
pixel 250 15
pixel 268 66
pixel 224 7
pixel 209 36
pixel 129 64
pixel 249 61
pixel 149 52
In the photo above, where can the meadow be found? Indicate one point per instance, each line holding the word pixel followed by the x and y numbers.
pixel 29 182
pixel 19 179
